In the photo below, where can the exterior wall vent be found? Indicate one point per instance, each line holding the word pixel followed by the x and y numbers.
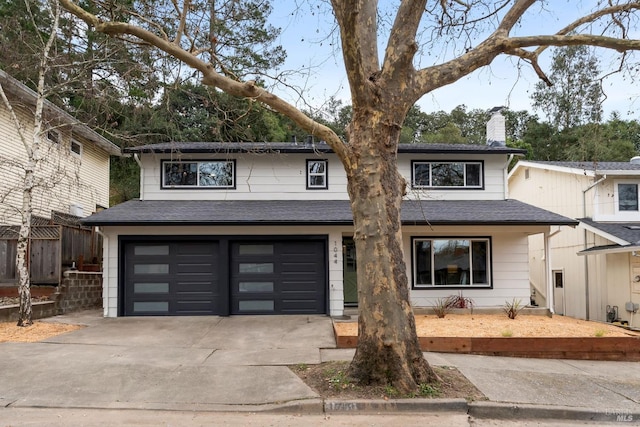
pixel 76 210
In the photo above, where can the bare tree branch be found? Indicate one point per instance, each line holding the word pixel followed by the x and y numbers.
pixel 212 78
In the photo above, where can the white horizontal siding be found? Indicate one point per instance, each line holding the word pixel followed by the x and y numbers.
pixel 283 177
pixel 509 259
pixel 61 177
pixel 510 273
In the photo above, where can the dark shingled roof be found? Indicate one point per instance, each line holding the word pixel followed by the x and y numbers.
pixel 593 166
pixel 322 147
pixel 627 231
pixel 319 212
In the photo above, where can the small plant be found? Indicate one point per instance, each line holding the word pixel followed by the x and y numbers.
pixel 428 390
pixel 600 333
pixel 441 307
pixel 302 366
pixel 513 308
pixel 460 301
pixel 338 379
pixel 390 391
pixel 507 333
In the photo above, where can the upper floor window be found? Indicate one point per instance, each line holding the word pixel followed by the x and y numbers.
pixel 446 174
pixel 53 136
pixel 203 174
pixel 317 175
pixel 76 147
pixel 456 262
pixel 627 197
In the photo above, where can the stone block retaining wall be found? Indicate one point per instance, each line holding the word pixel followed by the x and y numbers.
pixel 79 290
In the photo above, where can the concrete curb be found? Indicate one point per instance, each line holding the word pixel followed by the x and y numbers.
pixel 510 411
pixel 395 405
pixel 477 409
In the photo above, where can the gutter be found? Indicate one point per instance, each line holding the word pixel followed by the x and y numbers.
pixel 137 159
pixel 586 265
pixel 105 270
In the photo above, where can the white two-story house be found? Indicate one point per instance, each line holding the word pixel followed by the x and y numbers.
pixel 596 266
pixel 266 228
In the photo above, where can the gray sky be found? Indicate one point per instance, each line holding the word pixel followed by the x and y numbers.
pixel 307 37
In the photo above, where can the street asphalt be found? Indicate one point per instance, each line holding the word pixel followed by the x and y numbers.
pixel 240 364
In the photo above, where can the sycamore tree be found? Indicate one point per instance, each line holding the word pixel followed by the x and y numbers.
pixel 383 87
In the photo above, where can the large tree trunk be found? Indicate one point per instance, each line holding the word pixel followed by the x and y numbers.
pixel 388 349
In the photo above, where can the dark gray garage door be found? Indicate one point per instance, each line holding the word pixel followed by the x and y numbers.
pixel 224 276
pixel 280 277
pixel 172 278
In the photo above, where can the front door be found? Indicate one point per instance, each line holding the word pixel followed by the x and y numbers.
pixel 558 291
pixel 349 272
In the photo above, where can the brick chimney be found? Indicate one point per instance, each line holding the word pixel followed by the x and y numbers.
pixel 496 131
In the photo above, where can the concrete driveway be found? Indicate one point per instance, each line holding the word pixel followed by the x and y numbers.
pixel 165 362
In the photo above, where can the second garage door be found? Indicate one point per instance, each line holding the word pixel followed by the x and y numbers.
pixel 279 277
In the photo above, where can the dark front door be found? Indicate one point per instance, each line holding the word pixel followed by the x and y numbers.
pixel 278 277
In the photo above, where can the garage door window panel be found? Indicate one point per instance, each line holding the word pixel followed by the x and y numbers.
pixel 258 287
pixel 151 269
pixel 256 305
pixel 151 307
pixel 151 288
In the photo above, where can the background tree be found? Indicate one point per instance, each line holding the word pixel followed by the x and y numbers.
pixel 575 95
pixel 383 89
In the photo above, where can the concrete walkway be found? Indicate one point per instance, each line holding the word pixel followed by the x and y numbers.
pixel 240 364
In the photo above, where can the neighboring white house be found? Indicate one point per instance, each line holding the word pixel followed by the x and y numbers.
pixel 595 267
pixel 73 176
pixel 261 228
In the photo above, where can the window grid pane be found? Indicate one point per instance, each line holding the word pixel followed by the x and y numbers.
pixel 317 174
pixel 447 174
pixel 628 197
pixel 213 174
pixel 451 262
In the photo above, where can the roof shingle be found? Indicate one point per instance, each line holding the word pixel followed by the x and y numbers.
pixel 319 212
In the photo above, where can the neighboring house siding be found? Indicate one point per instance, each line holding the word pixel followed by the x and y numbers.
pixel 94 177
pixel 576 194
pixel 66 178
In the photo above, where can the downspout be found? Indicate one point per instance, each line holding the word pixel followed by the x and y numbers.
pixel 137 159
pixel 586 264
pixel 105 269
pixel 506 176
pixel 547 256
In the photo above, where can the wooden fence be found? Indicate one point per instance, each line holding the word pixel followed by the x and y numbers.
pixel 52 249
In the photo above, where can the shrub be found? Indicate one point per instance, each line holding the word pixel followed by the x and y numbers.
pixel 513 308
pixel 460 301
pixel 442 307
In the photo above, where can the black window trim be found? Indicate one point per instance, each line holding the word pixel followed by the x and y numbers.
pixel 326 174
pixel 196 187
pixel 434 287
pixel 464 187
